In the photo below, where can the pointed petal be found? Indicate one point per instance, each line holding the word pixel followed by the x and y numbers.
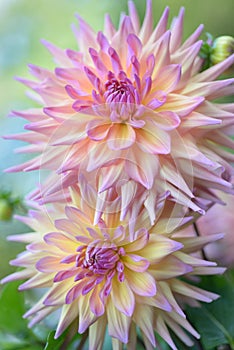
pixel 96 304
pixel 167 78
pixel 158 247
pixel 68 315
pixel 122 297
pixel 97 130
pixel 143 316
pixel 97 334
pixel 181 105
pixel 61 241
pixel 141 167
pixel 118 323
pixel 147 26
pixel 140 240
pixel 134 16
pixel 213 72
pixel 177 31
pixel 86 317
pixel 49 264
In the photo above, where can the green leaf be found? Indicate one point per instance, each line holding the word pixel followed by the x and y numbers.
pixel 12 309
pixel 215 321
pixel 54 344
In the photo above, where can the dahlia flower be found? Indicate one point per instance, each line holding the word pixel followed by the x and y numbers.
pixel 131 105
pixel 105 276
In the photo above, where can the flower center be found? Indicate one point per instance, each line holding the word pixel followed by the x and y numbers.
pixel 119 90
pixel 100 259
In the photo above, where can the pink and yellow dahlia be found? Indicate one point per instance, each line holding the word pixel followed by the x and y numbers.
pixel 131 104
pixel 106 276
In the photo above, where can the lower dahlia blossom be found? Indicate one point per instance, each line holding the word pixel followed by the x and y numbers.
pixel 133 98
pixel 105 276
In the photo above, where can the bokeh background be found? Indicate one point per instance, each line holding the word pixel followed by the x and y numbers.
pixel 23 23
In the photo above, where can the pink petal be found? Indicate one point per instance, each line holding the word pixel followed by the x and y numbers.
pixel 122 297
pixel 147 26
pixel 177 31
pixel 144 318
pixel 99 155
pixel 86 317
pixel 98 61
pixel 96 304
pixel 161 26
pixel 68 315
pixel 192 291
pixel 181 105
pixel 49 264
pixel 161 52
pixel 141 283
pixel 207 88
pixel 86 36
pixel 61 241
pixel 97 130
pixel 158 247
pixel 215 71
pixel 134 16
pixel 19 275
pixel 59 54
pixel 153 140
pixel 140 240
pixel 97 333
pixel 121 136
pixel 141 167
pixel 63 275
pixel 135 262
pixel 57 294
pixel 167 78
pixel 118 323
pixel 109 28
pixel 135 45
pixel 77 216
pixel 165 120
pixel 76 290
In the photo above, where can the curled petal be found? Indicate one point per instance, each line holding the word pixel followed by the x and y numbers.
pixel 97 130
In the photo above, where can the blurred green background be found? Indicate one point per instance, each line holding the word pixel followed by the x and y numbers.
pixel 24 23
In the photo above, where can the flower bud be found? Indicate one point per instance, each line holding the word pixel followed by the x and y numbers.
pixel 6 210
pixel 222 48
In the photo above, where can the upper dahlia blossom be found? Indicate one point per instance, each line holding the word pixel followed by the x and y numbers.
pixel 106 276
pixel 132 104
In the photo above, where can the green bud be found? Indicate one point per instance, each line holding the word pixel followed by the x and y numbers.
pixel 222 48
